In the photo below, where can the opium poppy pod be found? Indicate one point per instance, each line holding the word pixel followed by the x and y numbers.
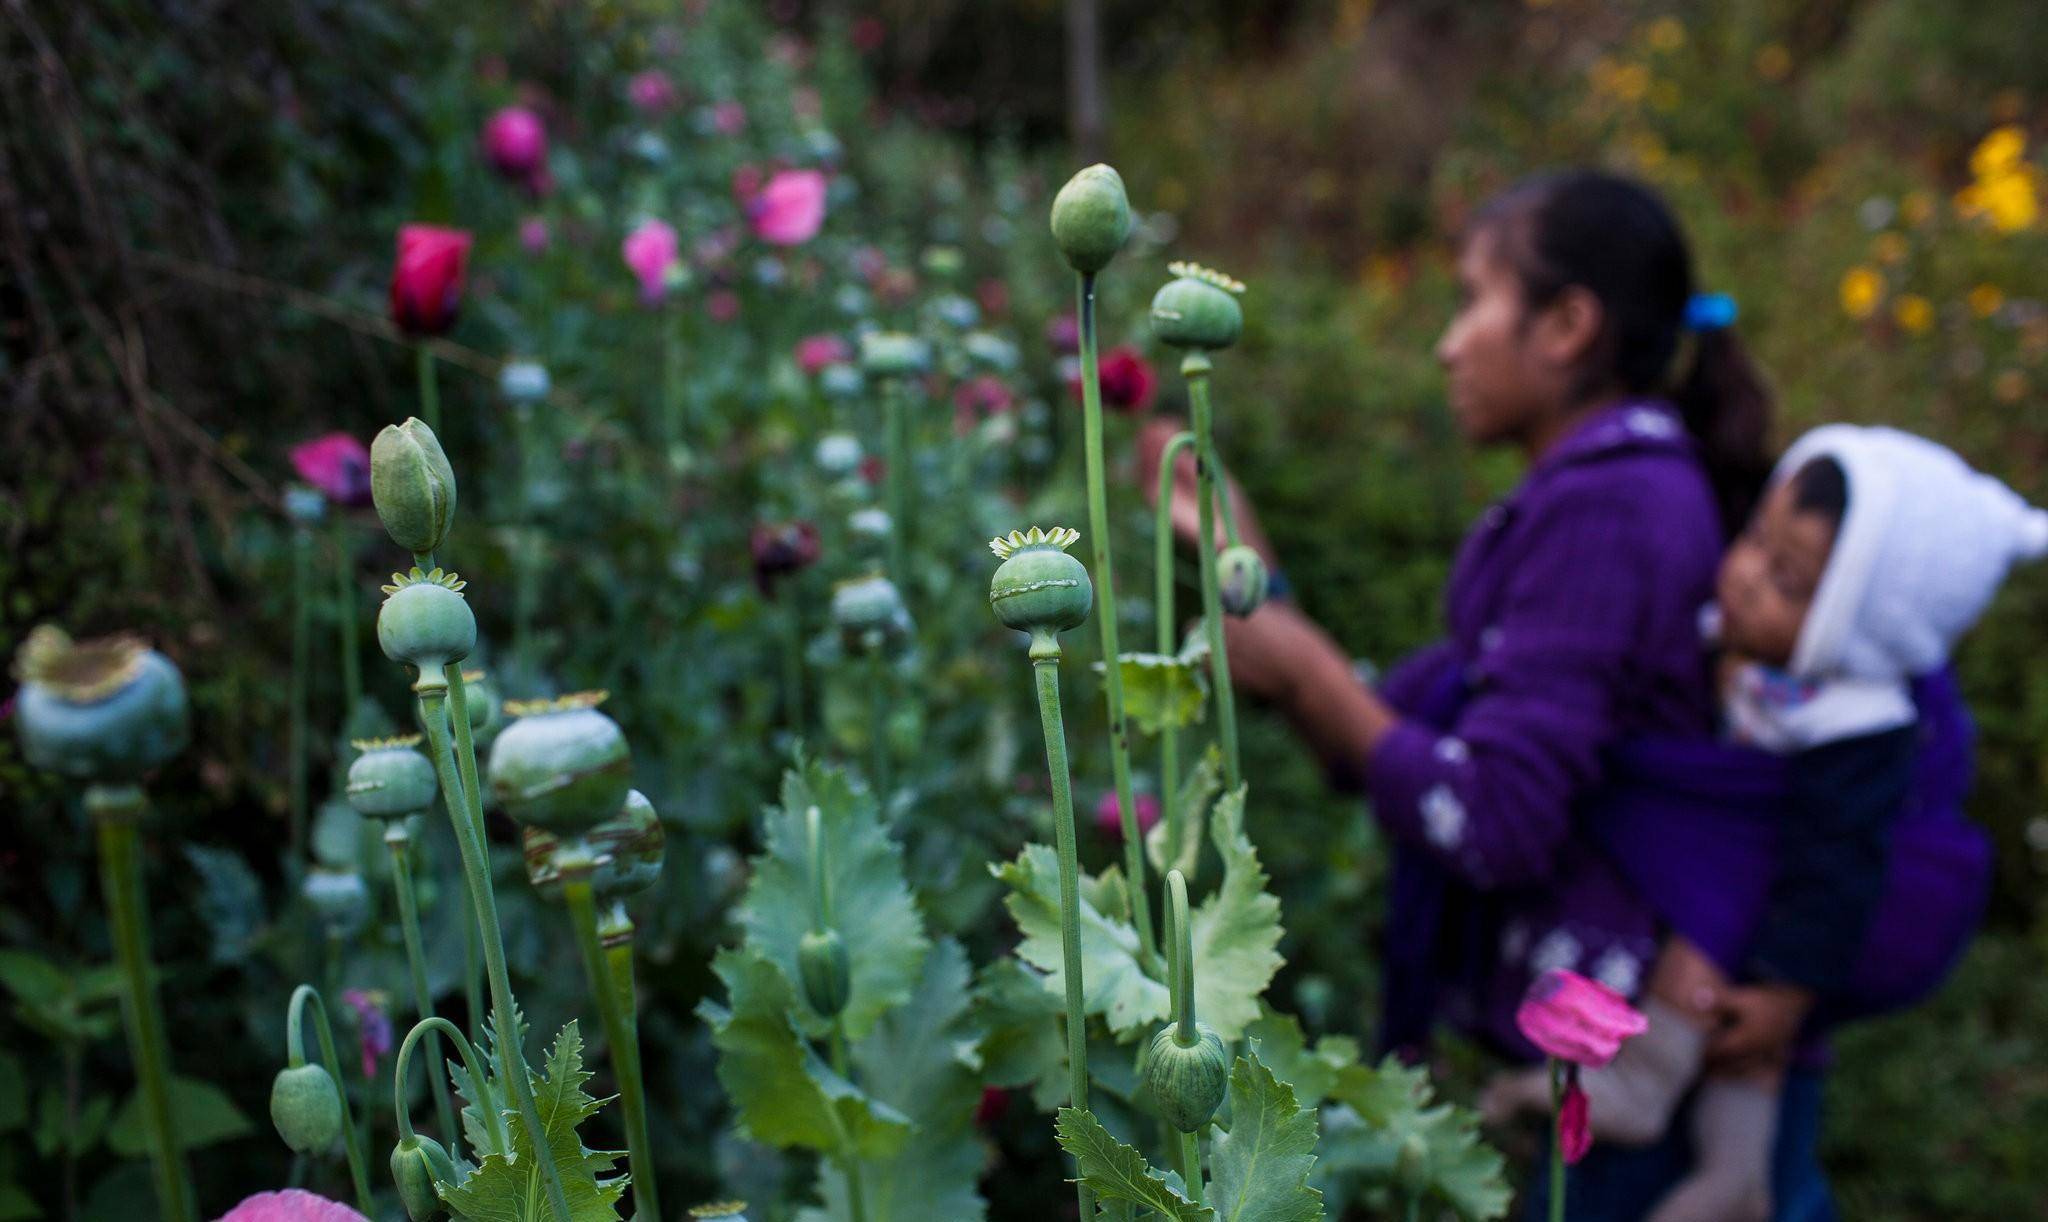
pixel 625 853
pixel 561 765
pixel 391 779
pixel 426 282
pixel 1039 588
pixel 425 621
pixel 102 710
pixel 1091 218
pixel 1198 308
pixel 305 1105
pixel 418 1163
pixel 1241 580
pixel 1187 1081
pixel 1576 1019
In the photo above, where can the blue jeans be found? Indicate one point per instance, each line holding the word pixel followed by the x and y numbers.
pixel 1617 1184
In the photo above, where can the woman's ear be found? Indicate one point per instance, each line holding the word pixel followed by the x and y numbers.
pixel 1569 326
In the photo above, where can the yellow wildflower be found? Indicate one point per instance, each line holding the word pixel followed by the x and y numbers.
pixel 1999 151
pixel 1861 289
pixel 1667 34
pixel 1620 81
pixel 1985 300
pixel 1913 313
pixel 1774 62
pixel 1889 247
pixel 2010 201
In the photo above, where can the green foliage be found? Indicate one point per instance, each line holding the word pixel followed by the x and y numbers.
pixel 1162 690
pixel 1117 1172
pixel 503 1189
pixel 1260 1168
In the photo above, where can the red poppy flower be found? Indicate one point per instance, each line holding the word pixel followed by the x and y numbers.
pixel 426 283
pixel 1127 380
pixel 780 549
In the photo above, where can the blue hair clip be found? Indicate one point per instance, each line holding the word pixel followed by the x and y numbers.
pixel 1709 312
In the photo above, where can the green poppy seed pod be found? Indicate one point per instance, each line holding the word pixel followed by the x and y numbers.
pixel 413 485
pixel 1187 1081
pixel 543 871
pixel 417 1164
pixel 427 622
pixel 305 1106
pixel 892 354
pixel 104 710
pixel 827 971
pixel 630 847
pixel 481 695
pixel 340 900
pixel 391 779
pixel 868 609
pixel 561 765
pixel 1241 580
pixel 1039 587
pixel 1198 308
pixel 1091 218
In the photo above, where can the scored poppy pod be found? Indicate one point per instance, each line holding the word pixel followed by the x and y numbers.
pixel 426 282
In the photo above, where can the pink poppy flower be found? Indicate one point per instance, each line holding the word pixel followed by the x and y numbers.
pixel 815 352
pixel 533 234
pixel 650 251
pixel 728 118
pixel 978 398
pixel 1576 1019
pixel 1574 1122
pixel 338 465
pixel 1127 380
pixel 651 92
pixel 1109 814
pixel 723 305
pixel 426 282
pixel 790 208
pixel 290 1205
pixel 373 1026
pixel 515 143
pixel 1063 334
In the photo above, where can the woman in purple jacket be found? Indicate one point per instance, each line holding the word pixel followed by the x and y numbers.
pixel 1573 617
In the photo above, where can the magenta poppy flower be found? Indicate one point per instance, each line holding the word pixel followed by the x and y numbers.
pixel 1063 334
pixel 650 251
pixel 373 1027
pixel 1574 1122
pixel 1109 814
pixel 790 207
pixel 651 92
pixel 338 465
pixel 533 234
pixel 516 143
pixel 814 353
pixel 978 398
pixel 729 118
pixel 290 1205
pixel 781 549
pixel 1576 1019
pixel 1127 380
pixel 426 282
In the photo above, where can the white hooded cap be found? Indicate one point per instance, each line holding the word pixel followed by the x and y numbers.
pixel 1922 547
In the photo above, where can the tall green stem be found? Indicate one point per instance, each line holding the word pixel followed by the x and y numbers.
pixel 622 1042
pixel 352 1141
pixel 1191 1158
pixel 345 616
pixel 856 1195
pixel 878 721
pixel 1105 615
pixel 430 393
pixel 302 644
pixel 616 935
pixel 793 663
pixel 1045 666
pixel 1195 367
pixel 457 807
pixel 492 1115
pixel 896 478
pixel 115 809
pixel 1556 1140
pixel 476 870
pixel 398 839
pixel 1163 617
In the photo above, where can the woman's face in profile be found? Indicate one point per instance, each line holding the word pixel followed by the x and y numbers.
pixel 1500 385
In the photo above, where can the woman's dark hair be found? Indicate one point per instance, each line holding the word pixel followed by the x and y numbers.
pixel 1615 238
pixel 1822 487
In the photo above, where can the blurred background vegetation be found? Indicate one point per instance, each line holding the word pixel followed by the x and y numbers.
pixel 196 208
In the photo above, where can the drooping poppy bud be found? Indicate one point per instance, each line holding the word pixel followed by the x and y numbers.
pixel 305 1106
pixel 418 1163
pixel 426 282
pixel 1241 580
pixel 1187 1081
pixel 1091 218
pixel 413 485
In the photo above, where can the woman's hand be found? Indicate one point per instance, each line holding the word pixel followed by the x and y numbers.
pixel 1757 1024
pixel 1270 648
pixel 1186 506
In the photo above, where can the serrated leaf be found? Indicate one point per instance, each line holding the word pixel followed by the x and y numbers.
pixel 1022 1043
pixel 1379 1108
pixel 1162 690
pixel 871 903
pixel 480 1136
pixel 1283 1048
pixel 1258 1171
pixel 201 1115
pixel 1117 1172
pixel 785 1094
pixel 1236 929
pixel 917 1061
pixel 509 1189
pixel 1113 984
pixel 1196 792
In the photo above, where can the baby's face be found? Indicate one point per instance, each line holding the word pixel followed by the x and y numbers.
pixel 1769 576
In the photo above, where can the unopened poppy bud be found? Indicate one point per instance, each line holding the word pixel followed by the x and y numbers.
pixel 1198 308
pixel 827 971
pixel 412 485
pixel 561 765
pixel 102 710
pixel 305 1105
pixel 1187 1081
pixel 1039 587
pixel 418 1163
pixel 1241 580
pixel 425 621
pixel 892 354
pixel 391 779
pixel 1091 218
